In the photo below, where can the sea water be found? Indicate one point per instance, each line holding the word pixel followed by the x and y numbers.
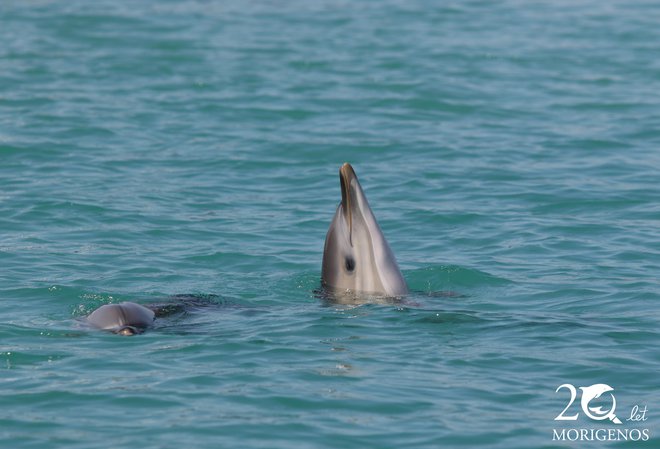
pixel 510 151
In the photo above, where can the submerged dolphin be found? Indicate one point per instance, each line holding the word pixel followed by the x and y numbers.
pixel 356 257
pixel 126 318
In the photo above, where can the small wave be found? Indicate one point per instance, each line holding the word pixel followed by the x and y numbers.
pixel 447 278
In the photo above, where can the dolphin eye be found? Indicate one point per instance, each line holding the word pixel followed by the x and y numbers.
pixel 350 264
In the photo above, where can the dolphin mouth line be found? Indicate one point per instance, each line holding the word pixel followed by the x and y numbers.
pixel 346 174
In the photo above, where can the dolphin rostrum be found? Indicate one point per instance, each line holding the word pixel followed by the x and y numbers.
pixel 126 318
pixel 356 257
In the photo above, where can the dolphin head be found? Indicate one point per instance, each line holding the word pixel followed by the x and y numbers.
pixel 356 256
pixel 126 318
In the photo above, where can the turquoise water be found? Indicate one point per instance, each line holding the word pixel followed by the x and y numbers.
pixel 509 150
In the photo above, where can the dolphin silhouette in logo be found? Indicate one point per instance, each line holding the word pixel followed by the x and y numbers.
pixel 597 413
pixel 356 256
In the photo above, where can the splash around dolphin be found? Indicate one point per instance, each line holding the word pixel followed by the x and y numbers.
pixel 357 258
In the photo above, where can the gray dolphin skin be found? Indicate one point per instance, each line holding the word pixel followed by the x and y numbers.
pixel 126 318
pixel 356 257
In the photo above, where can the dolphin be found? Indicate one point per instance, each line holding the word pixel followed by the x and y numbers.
pixel 356 256
pixel 126 318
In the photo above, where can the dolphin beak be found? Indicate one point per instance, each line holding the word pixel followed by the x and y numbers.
pixel 346 175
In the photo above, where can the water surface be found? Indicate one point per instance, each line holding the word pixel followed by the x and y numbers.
pixel 509 151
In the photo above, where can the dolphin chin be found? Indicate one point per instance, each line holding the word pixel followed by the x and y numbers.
pixel 356 256
pixel 126 318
